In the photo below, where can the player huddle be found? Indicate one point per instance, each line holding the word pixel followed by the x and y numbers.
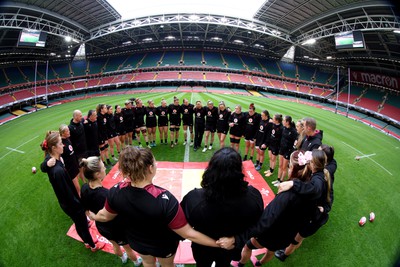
pixel 225 218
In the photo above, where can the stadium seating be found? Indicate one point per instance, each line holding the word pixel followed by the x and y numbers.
pixel 192 58
pixel 239 78
pixel 29 73
pixel 171 58
pixel 115 63
pixel 306 73
pixel 60 69
pixel 270 66
pixel 217 76
pixel 144 76
pixel 14 75
pixel 95 65
pixel 79 67
pixel 213 59
pixel 5 99
pixel 233 61
pixel 132 61
pixel 151 59
pixel 288 69
pixel 191 75
pixel 251 63
pixel 23 94
pixel 167 75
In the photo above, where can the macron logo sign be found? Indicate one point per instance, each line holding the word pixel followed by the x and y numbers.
pixel 376 79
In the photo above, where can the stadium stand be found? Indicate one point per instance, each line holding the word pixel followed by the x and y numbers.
pixel 216 76
pixel 191 75
pixel 192 58
pixel 288 69
pixel 251 64
pixel 60 70
pixel 233 61
pixel 270 66
pixel 132 61
pixel 14 75
pixel 213 59
pixel 79 67
pixel 151 59
pixel 94 65
pixel 171 58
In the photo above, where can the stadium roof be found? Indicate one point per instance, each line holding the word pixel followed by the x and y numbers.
pixel 273 28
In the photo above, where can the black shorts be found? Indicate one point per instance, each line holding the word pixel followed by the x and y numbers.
pixel 103 138
pixel 210 127
pixel 187 121
pixel 311 227
pixel 129 129
pixel 274 148
pixel 285 152
pixel 112 234
pixel 223 130
pixel 162 121
pixel 93 153
pixel 248 135
pixel 175 123
pixel 160 252
pixel 137 126
pixel 112 134
pixel 236 132
pixel 151 124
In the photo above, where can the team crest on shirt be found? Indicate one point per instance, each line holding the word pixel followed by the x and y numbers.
pixel 105 120
pixel 121 119
pixel 273 131
pixel 250 120
pixel 235 120
pixel 164 196
pixel 186 110
pixel 163 113
pixel 209 113
pixel 261 127
pixel 151 113
pixel 198 114
pixel 221 116
pixel 70 148
pixel 174 111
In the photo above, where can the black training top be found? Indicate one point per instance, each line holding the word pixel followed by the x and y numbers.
pixel 64 189
pixel 148 214
pixel 211 116
pixel 211 217
pixel 77 137
pixel 70 159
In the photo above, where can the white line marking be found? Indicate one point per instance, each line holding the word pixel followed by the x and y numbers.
pixel 20 146
pixel 15 150
pixel 187 147
pixel 368 157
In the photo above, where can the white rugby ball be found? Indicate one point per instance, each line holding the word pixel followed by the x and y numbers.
pixel 362 221
pixel 33 169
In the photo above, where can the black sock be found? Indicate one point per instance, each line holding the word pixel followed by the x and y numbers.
pixel 211 144
pixel 176 140
pixel 112 155
pixel 147 143
pixel 166 141
pixel 271 170
pixel 240 264
pixel 261 164
pixel 245 157
pixel 257 162
pixel 161 141
pixel 139 143
pixel 172 142
pixel 251 158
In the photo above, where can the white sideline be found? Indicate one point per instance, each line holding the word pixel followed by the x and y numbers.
pixel 19 146
pixel 368 158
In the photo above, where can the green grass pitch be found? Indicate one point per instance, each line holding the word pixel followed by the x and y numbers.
pixel 33 227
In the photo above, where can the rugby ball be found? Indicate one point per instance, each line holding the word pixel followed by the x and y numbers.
pixel 33 170
pixel 357 157
pixel 372 217
pixel 362 221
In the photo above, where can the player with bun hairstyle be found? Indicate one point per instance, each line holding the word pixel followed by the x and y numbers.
pixel 289 137
pixel 120 126
pixel 152 216
pixel 151 122
pixel 319 191
pixel 129 121
pixel 280 221
pixel 112 133
pixel 92 133
pixel 223 123
pixel 252 123
pixel 162 114
pixel 101 111
pixel 211 124
pixel 69 156
pixel 174 112
pixel 140 112
pixel 262 137
pixel 300 134
pixel 236 123
pixel 275 141
pixel 187 120
pixel 64 189
pixel 94 196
